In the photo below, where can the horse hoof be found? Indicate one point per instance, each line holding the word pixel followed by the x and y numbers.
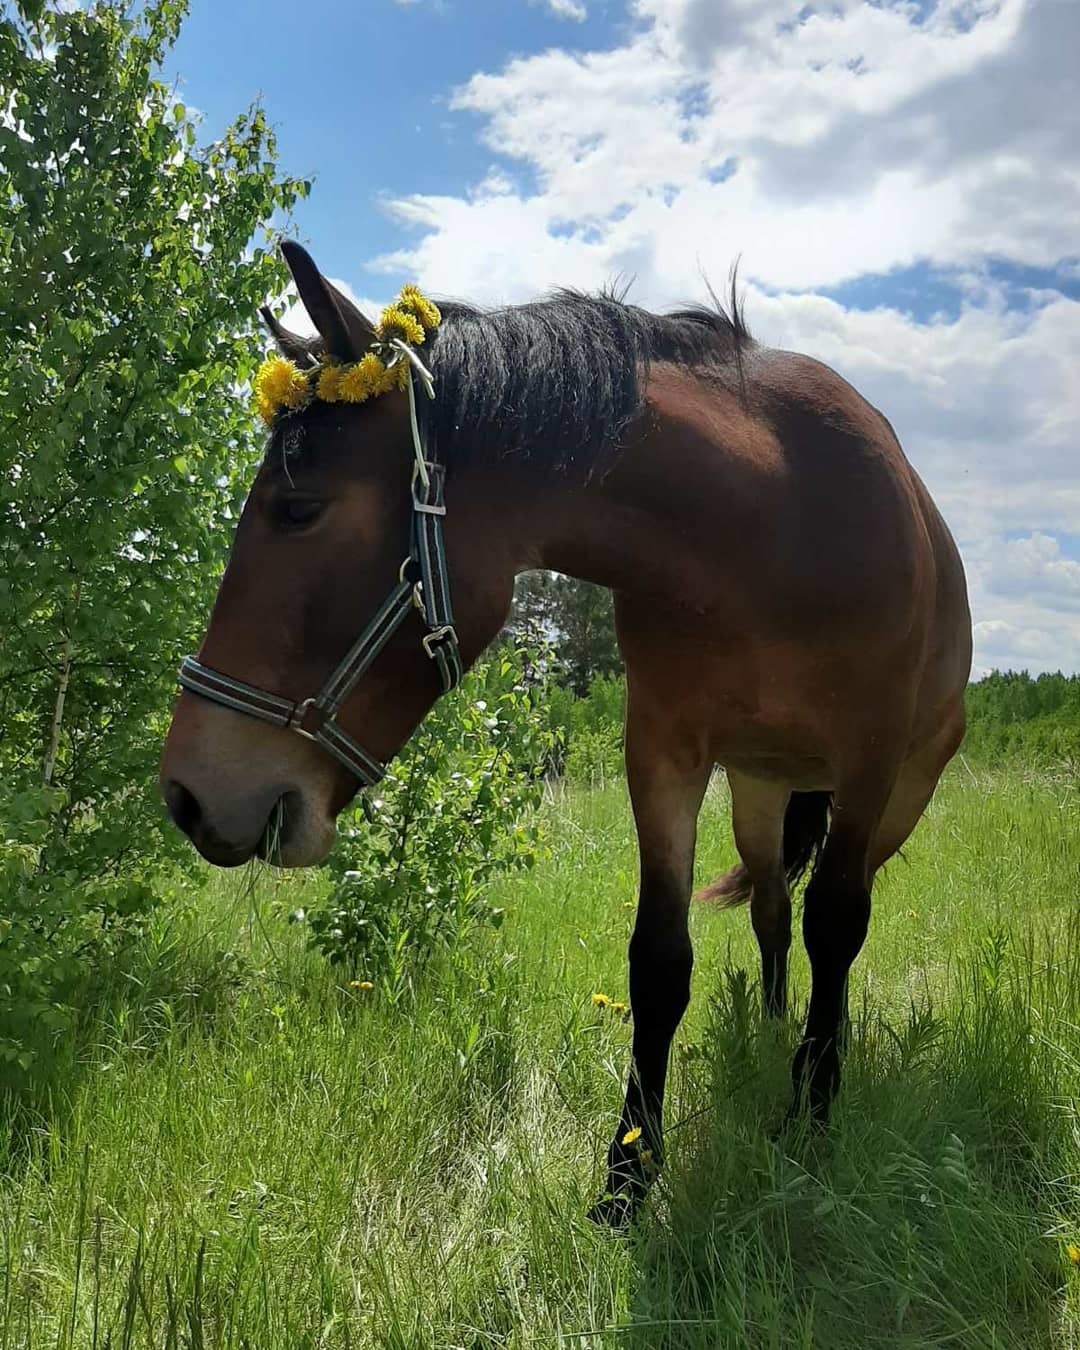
pixel 614 1212
pixel 801 1121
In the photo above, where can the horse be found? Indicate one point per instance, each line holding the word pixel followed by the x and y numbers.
pixel 789 604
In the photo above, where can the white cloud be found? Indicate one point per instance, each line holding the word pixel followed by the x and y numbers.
pixel 567 9
pixel 855 141
pixel 824 142
pixel 1035 567
pixel 1029 640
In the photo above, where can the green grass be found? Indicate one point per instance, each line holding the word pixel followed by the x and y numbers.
pixel 244 1151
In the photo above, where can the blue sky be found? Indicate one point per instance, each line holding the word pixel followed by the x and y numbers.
pixel 901 180
pixel 358 91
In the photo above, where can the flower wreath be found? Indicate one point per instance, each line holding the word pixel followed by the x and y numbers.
pixel 281 385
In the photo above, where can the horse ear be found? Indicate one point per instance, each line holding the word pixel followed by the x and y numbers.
pixel 304 351
pixel 345 332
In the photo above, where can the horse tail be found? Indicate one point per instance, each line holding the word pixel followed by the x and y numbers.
pixel 806 823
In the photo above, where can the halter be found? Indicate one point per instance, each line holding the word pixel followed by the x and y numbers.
pixel 423 585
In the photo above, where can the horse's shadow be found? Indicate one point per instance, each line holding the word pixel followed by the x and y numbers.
pixel 923 1215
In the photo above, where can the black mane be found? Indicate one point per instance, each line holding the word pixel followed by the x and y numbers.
pixel 560 379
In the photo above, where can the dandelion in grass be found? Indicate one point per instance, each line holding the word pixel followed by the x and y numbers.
pixel 632 1136
pixel 361 984
pixel 601 1000
pixel 1073 1253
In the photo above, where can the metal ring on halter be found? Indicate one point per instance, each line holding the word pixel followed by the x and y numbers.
pixel 296 721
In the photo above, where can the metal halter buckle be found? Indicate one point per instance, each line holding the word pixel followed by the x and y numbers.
pixel 437 636
pixel 425 510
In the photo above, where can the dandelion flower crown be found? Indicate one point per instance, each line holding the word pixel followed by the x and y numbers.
pixel 282 386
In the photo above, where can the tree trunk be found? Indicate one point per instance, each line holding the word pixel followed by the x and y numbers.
pixel 48 768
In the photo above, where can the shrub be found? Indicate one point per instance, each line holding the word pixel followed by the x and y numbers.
pixel 589 743
pixel 455 811
pixel 595 757
pixel 133 262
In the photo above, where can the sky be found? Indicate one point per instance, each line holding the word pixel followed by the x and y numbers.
pixel 899 179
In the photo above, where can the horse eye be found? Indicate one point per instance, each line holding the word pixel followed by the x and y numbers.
pixel 295 512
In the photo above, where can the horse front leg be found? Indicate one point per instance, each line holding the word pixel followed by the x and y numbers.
pixel 666 788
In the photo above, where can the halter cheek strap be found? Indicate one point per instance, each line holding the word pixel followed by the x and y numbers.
pixel 423 586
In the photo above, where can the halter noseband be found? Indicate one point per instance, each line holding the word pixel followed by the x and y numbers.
pixel 423 585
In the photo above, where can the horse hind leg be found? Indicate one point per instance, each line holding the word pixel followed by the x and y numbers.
pixel 757 818
pixel 871 820
pixel 777 833
pixel 836 919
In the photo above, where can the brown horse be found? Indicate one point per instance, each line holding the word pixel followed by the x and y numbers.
pixel 789 604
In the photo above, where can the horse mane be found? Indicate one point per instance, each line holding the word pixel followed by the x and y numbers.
pixel 560 379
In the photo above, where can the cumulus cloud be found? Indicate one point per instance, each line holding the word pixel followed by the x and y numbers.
pixel 826 143
pixel 567 9
pixel 1035 567
pixel 852 140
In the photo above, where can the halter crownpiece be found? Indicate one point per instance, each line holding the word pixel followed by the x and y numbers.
pixel 423 584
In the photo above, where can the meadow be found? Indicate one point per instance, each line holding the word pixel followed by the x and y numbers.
pixel 245 1147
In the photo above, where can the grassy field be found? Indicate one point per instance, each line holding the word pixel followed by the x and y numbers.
pixel 245 1151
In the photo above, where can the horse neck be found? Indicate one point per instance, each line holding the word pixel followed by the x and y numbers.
pixel 617 529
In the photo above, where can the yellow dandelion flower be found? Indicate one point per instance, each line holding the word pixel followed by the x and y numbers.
pixel 601 1000
pixel 279 384
pixel 329 385
pixel 353 387
pixel 393 376
pixel 359 382
pixel 398 323
pixel 1072 1251
pixel 632 1136
pixel 416 302
pixel 618 1007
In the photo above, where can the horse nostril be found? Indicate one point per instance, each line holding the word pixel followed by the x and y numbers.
pixel 183 806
